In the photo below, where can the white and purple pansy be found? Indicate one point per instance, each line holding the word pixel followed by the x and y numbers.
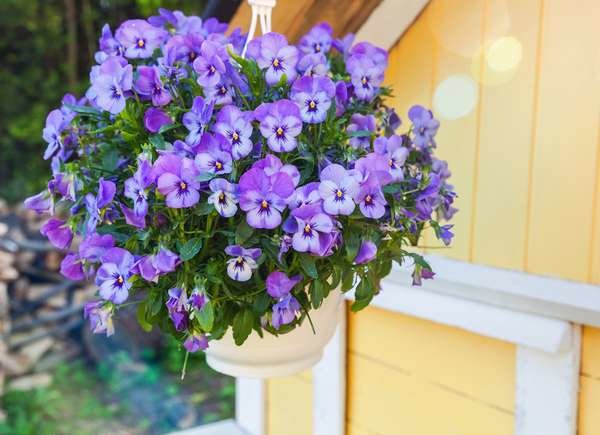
pixel 177 178
pixel 273 54
pixel 337 188
pixel 113 276
pixel 280 123
pixel 313 95
pixel 236 127
pixel 224 196
pixel 240 267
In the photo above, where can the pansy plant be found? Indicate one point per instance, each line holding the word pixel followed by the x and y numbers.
pixel 219 192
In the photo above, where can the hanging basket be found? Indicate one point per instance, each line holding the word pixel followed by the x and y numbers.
pixel 283 355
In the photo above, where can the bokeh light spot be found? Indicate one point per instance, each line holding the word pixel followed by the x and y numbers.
pixel 455 97
pixel 504 54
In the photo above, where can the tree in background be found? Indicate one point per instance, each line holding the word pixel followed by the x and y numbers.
pixel 46 50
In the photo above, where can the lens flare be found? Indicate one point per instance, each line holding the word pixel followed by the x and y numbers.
pixel 455 97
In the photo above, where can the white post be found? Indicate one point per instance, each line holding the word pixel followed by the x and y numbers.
pixel 250 405
pixel 261 12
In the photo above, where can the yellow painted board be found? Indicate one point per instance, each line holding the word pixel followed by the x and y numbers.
pixel 590 352
pixel 594 268
pixel 589 406
pixel 391 402
pixel 477 366
pixel 356 429
pixel 565 147
pixel 289 408
pixel 505 134
pixel 458 31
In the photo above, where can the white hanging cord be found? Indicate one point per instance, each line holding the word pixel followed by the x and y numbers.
pixel 261 9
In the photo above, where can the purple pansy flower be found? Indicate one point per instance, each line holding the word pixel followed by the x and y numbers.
pixel 177 179
pixel 139 38
pixel 264 197
pixel 273 53
pixel 337 188
pixel 135 187
pixel 370 199
pixel 94 246
pixel 40 202
pixel 306 195
pixel 149 85
pixel 240 268
pixel 428 197
pixel 210 65
pixel 279 284
pixel 222 93
pixel 197 119
pixel 378 55
pixel 176 306
pixel 224 196
pixel 280 123
pixel 161 263
pixel 109 46
pixel 212 157
pixel 71 267
pixel 110 82
pixel 58 233
pixel 344 44
pixel 313 230
pixel 341 98
pixel 313 64
pixel 113 275
pixel 313 95
pixel 195 342
pixel 99 314
pixel 424 126
pixel 236 127
pixel 365 75
pixel 364 126
pixel 197 299
pixel 317 40
pixel 52 133
pixel 272 166
pixel 95 204
pixel 396 154
pixel 372 165
pixel 420 273
pixel 155 118
pixel 366 252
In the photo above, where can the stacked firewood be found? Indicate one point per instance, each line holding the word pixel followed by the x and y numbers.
pixel 40 311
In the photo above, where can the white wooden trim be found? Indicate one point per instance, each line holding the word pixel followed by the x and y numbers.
pixel 225 427
pixel 329 384
pixel 251 405
pixel 550 297
pixel 389 20
pixel 547 390
pixel 549 335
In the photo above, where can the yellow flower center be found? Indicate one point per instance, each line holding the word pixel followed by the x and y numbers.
pixel 140 43
pixel 219 165
pixel 363 80
pixel 235 136
pixel 368 199
pixel 317 47
pixel 276 62
pixel 182 185
pixel 312 105
pixel 212 69
pixel 221 196
pixel 339 193
pixel 390 163
pixel 279 131
pixel 264 204
pixel 239 260
pixel 120 279
pixel 307 229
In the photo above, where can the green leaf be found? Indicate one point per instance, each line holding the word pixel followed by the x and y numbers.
pixel 242 326
pixel 110 160
pixel 352 245
pixel 243 232
pixel 158 141
pixel 117 235
pixel 141 317
pixel 206 317
pixel 363 295
pixel 190 249
pixel 203 209
pixel 261 303
pixel 308 265
pixel 347 279
pixel 83 110
pixel 360 133
pixel 168 127
pixel 316 294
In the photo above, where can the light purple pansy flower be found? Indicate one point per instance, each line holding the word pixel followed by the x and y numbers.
pixel 57 232
pixel 280 123
pixel 149 85
pixel 313 229
pixel 365 75
pixel 344 44
pixel 95 204
pixel 109 46
pixel 378 55
pixel 212 157
pixel 113 276
pixel 337 188
pixel 264 197
pixel 394 151
pixel 224 196
pixel 306 195
pixel 55 124
pixel 197 119
pixel 236 127
pixel 279 284
pixel 210 65
pixel 155 118
pixel 110 82
pixel 241 266
pixel 161 263
pixel 71 267
pixel 139 38
pixel 313 96
pixel 99 314
pixel 222 93
pixel 360 129
pixel 424 126
pixel 177 308
pixel 272 166
pixel 317 40
pixel 341 98
pixel 40 202
pixel 372 165
pixel 195 342
pixel 366 252
pixel 177 179
pixel 95 245
pixel 273 53
pixel 135 187
pixel 370 199
pixel 313 64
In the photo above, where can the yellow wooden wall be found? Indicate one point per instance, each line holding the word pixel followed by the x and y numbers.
pixel 526 164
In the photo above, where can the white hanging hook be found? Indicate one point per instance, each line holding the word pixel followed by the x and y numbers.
pixel 261 9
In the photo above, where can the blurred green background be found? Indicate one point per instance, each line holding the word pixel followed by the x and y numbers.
pixel 47 48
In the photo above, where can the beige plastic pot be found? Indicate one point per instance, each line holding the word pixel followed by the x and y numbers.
pixel 283 355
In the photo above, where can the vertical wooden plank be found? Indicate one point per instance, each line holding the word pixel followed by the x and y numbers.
pixel 250 405
pixel 505 138
pixel 565 146
pixel 458 30
pixel 594 267
pixel 290 405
